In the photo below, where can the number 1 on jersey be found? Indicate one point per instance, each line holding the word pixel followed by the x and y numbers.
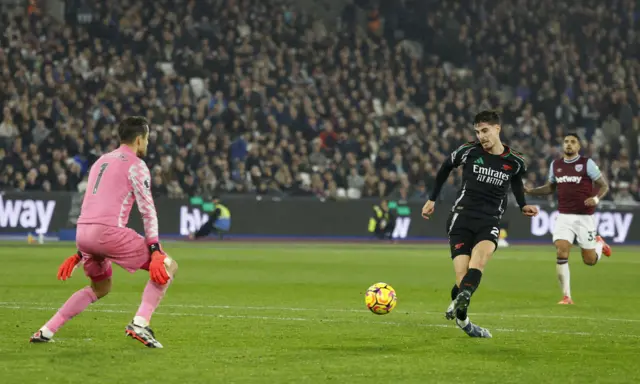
pixel 103 168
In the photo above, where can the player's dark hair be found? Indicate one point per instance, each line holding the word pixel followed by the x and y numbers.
pixel 573 134
pixel 132 127
pixel 490 117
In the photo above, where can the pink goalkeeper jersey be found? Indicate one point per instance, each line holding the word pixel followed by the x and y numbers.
pixel 116 180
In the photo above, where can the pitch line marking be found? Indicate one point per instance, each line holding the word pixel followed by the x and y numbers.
pixel 341 310
pixel 340 321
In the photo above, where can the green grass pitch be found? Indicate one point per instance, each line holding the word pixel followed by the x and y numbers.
pixel 278 313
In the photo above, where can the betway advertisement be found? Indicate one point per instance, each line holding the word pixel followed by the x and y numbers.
pixel 191 219
pixel 296 217
pixel 34 213
pixel 612 225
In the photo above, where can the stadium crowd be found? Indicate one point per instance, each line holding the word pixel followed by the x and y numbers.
pixel 249 96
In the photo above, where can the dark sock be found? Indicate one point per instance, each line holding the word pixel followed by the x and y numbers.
pixel 471 280
pixel 454 291
pixel 461 315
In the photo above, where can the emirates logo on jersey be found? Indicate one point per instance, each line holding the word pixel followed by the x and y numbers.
pixel 579 167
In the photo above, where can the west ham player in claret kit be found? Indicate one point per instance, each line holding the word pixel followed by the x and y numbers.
pixel 116 181
pixel 573 177
pixel 489 170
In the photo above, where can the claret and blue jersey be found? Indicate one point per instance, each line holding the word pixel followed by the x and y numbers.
pixel 574 183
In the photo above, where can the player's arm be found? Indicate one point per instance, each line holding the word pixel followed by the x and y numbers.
pixel 441 178
pixel 544 190
pixel 140 179
pixel 595 174
pixel 454 160
pixel 548 188
pixel 141 182
pixel 517 188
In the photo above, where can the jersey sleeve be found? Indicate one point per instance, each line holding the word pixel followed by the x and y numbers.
pixel 593 171
pixel 552 176
pixel 141 182
pixel 521 163
pixel 458 157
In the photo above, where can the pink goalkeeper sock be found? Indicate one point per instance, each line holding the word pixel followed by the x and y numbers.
pixel 77 303
pixel 151 297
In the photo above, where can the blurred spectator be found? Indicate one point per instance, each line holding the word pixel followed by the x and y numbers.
pixel 258 97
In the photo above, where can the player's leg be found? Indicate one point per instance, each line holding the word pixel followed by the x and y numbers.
pixel 99 271
pixel 460 243
pixel 480 256
pixel 480 242
pixel 592 256
pixel 129 250
pixel 460 266
pixel 152 295
pixel 593 246
pixel 485 243
pixel 461 239
pixel 563 249
pixel 564 234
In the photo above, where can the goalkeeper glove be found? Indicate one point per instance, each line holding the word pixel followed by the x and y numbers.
pixel 67 267
pixel 157 269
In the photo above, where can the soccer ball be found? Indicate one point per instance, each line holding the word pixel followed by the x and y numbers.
pixel 380 298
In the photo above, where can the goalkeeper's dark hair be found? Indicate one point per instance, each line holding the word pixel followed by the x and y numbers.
pixel 490 117
pixel 132 127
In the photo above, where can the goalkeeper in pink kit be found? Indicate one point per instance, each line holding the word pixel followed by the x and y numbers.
pixel 116 181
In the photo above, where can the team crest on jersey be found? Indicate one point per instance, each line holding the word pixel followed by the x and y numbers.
pixel 559 170
pixel 578 167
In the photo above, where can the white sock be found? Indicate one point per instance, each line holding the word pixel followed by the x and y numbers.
pixel 564 277
pixel 46 332
pixel 462 323
pixel 599 247
pixel 140 321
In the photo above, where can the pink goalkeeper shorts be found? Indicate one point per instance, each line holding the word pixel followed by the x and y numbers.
pixel 101 245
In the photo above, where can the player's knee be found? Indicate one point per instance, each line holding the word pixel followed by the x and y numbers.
pixel 562 252
pixel 101 288
pixel 481 254
pixel 589 256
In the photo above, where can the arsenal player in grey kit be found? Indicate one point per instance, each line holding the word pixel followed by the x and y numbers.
pixel 573 177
